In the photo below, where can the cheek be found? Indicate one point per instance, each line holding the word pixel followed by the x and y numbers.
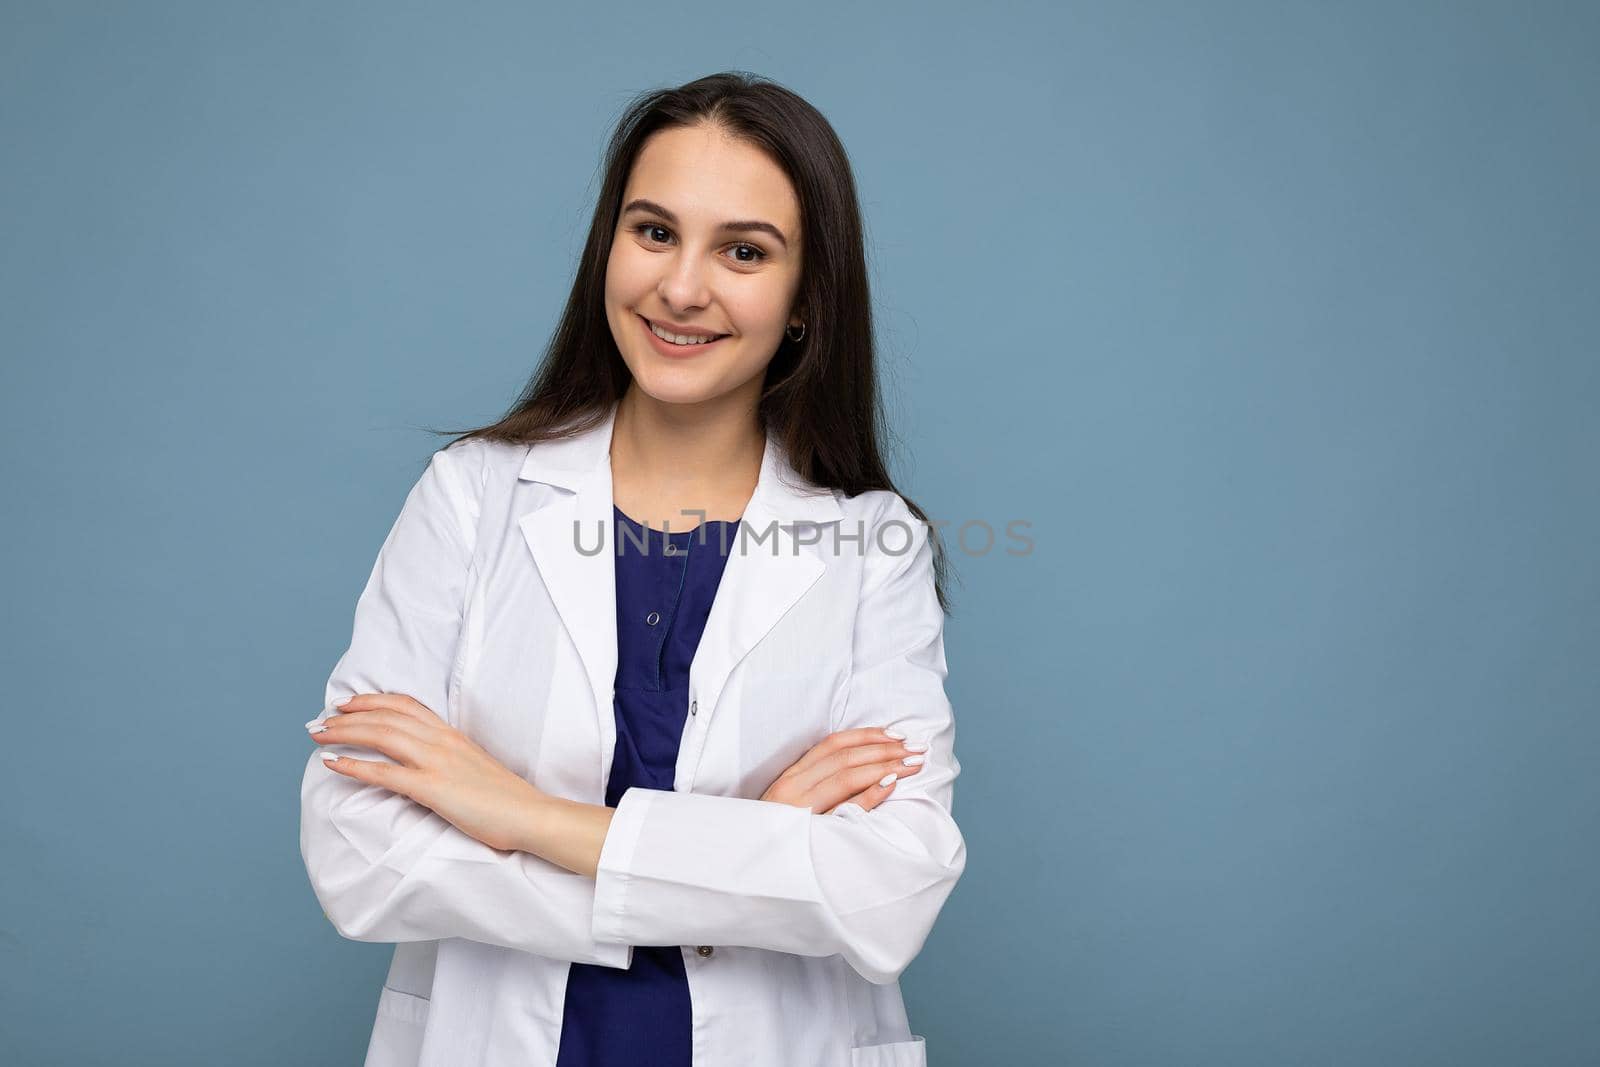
pixel 759 312
pixel 621 274
pixel 753 356
pixel 632 273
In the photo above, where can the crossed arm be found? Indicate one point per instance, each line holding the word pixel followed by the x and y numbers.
pixel 445 771
pixel 434 838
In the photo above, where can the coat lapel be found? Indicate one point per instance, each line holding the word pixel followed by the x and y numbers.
pixel 770 566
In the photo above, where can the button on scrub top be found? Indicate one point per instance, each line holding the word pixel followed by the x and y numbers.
pixel 665 586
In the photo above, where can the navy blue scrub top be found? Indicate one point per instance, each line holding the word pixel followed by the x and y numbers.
pixel 665 586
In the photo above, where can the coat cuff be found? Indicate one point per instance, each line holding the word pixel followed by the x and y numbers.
pixel 608 925
pixel 699 868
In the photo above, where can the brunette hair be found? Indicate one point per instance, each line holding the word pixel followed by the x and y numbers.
pixel 820 399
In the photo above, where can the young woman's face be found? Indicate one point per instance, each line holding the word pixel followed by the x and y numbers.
pixel 682 255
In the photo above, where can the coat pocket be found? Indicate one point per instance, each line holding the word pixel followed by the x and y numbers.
pixel 397 1031
pixel 911 1053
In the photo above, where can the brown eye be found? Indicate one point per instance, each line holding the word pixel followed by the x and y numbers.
pixel 757 254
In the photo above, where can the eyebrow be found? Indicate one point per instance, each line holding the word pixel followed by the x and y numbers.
pixel 739 226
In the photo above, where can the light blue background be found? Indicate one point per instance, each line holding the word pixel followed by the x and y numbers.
pixel 1276 321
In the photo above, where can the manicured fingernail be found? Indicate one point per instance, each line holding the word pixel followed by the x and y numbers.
pixel 327 757
pixel 316 726
pixel 915 746
pixel 896 734
pixel 345 701
pixel 888 779
pixel 912 761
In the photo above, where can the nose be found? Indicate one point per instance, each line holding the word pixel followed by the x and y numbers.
pixel 685 284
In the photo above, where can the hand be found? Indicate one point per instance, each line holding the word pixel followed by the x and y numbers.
pixel 438 766
pixel 845 767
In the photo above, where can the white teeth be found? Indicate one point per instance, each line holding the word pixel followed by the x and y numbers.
pixel 679 338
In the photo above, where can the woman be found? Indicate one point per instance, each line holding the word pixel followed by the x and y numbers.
pixel 641 750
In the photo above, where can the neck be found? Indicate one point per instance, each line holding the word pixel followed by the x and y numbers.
pixel 700 456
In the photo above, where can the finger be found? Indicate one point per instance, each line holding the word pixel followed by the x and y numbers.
pixel 390 776
pixel 396 742
pixel 872 796
pixel 837 742
pixel 400 702
pixel 856 756
pixel 838 788
pixel 333 728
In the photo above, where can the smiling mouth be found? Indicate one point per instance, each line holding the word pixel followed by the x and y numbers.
pixel 652 328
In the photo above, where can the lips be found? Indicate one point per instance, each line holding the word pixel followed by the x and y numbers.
pixel 688 333
pixel 677 353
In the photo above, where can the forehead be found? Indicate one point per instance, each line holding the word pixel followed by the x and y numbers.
pixel 705 177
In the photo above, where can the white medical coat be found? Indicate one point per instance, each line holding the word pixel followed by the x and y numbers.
pixel 490 604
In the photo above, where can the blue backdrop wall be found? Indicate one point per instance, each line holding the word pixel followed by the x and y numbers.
pixel 1275 321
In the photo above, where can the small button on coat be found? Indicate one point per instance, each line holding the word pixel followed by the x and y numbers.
pixel 492 602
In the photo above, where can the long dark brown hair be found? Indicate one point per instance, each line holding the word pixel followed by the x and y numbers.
pixel 820 399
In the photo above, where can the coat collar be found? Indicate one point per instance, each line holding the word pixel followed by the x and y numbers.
pixel 770 566
pixel 781 492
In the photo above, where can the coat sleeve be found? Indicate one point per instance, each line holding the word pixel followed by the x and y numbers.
pixel 383 867
pixel 691 868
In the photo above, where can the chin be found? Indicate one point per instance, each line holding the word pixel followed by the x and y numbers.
pixel 676 388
